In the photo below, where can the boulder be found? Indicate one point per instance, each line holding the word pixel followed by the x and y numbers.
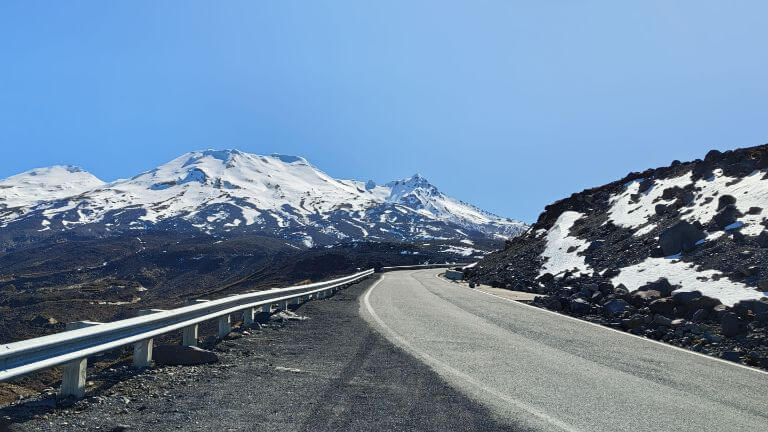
pixel 731 325
pixel 43 321
pixel 640 298
pixel 671 192
pixel 762 284
pixel 546 278
pixel 703 302
pixel 719 310
pixel 633 322
pixel 684 297
pixel 754 306
pixel 734 356
pixel 662 286
pixel 726 216
pixel 663 306
pixel 615 306
pixel 554 304
pixel 645 185
pixel 680 237
pixel 605 287
pixel 579 306
pixel 724 201
pixel 713 156
pixel 179 355
pixel 661 320
pixel 700 315
pixel 762 239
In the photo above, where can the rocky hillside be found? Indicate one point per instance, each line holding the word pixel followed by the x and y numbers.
pixel 678 254
pixel 230 193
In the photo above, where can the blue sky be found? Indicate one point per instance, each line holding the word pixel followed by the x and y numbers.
pixel 505 104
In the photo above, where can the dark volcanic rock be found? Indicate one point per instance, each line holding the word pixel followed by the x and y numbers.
pixel 755 306
pixel 579 306
pixel 615 306
pixel 731 325
pixel 681 237
pixel 726 216
pixel 685 297
pixel 713 156
pixel 662 286
pixel 663 306
pixel 762 239
pixel 639 298
pixel 724 201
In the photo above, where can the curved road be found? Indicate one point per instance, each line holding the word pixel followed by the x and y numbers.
pixel 553 373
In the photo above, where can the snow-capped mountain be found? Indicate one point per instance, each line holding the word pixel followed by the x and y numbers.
pixel 45 184
pixel 229 191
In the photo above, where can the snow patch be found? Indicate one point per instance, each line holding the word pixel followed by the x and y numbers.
pixel 632 209
pixel 561 251
pixel 710 283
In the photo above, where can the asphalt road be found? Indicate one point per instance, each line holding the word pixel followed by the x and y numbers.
pixel 549 372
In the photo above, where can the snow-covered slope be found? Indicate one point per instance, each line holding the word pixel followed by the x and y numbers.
pixel 232 191
pixel 21 192
pixel 45 184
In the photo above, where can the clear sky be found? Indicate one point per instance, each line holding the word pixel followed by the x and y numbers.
pixel 505 104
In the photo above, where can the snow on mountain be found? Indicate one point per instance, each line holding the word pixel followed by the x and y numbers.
pixel 20 192
pixel 233 191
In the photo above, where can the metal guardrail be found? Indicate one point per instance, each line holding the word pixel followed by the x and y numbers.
pixel 71 348
pixel 420 266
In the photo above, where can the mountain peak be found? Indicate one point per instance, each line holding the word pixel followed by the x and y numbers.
pixel 45 184
pixel 289 159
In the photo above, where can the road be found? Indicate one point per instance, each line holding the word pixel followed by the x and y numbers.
pixel 545 371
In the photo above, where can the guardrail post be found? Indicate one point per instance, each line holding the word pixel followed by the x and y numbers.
pixel 189 336
pixel 190 333
pixel 248 316
pixel 284 305
pixel 297 300
pixel 142 350
pixel 73 378
pixel 225 325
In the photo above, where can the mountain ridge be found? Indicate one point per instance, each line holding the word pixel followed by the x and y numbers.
pixel 230 191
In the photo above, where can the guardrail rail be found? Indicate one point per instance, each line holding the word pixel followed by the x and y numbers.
pixel 72 347
pixel 420 266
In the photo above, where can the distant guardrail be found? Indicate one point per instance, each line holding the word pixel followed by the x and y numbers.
pixel 71 348
pixel 420 266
